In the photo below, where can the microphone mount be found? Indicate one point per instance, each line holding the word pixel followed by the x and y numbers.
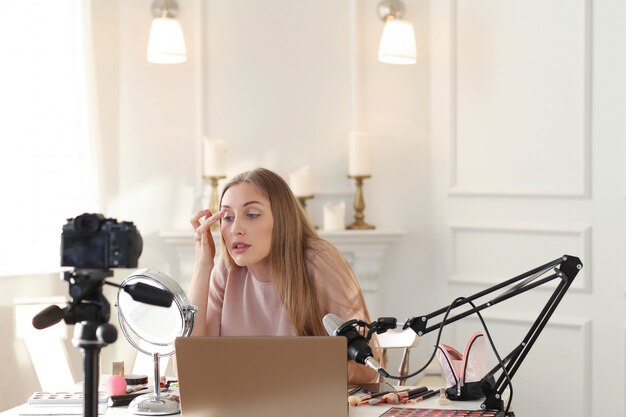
pixel 564 269
pixel 381 325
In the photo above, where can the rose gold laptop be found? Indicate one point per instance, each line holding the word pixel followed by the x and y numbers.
pixel 262 376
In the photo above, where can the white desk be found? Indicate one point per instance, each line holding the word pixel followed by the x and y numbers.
pixel 360 411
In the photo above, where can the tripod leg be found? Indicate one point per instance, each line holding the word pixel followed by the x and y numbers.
pixel 85 338
pixel 91 364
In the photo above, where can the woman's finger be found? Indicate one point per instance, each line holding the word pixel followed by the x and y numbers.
pixel 209 221
pixel 195 219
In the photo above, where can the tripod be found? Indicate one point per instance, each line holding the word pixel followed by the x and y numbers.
pixel 90 311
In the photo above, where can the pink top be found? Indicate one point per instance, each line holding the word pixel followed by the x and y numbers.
pixel 241 305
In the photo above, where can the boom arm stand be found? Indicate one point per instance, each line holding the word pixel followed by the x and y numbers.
pixel 564 268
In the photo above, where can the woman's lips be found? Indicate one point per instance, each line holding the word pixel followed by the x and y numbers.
pixel 239 247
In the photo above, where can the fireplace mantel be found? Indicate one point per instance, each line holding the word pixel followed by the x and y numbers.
pixel 364 250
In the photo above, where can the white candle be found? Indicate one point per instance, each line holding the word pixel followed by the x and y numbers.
pixel 359 153
pixel 300 182
pixel 214 162
pixel 334 216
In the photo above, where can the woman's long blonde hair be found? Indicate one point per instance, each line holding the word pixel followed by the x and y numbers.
pixel 291 235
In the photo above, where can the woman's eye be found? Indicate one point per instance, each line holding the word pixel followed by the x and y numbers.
pixel 228 218
pixel 253 215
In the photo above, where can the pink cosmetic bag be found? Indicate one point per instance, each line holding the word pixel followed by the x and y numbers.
pixel 464 371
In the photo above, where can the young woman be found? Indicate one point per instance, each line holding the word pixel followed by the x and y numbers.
pixel 276 276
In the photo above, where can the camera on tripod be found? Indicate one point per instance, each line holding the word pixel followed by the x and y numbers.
pixel 91 241
pixel 93 244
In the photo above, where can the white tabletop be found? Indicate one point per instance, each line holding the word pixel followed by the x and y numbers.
pixel 360 411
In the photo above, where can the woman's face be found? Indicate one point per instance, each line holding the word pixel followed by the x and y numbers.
pixel 247 224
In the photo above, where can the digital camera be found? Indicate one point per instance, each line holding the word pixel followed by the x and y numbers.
pixel 91 241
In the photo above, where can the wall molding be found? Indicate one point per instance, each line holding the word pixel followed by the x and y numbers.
pixel 623 364
pixel 581 325
pixel 583 190
pixel 582 283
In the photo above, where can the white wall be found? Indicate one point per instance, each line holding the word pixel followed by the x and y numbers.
pixel 501 149
pixel 276 80
pixel 527 107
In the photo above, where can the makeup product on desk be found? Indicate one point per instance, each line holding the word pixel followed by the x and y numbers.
pixel 61 403
pixel 373 399
pixel 135 388
pixel 397 397
pixel 136 379
pixel 443 400
pixel 63 398
pixel 416 391
pixel 135 383
pixel 116 384
pixel 366 398
pixel 353 400
pixel 428 412
pixel 125 399
pixel 415 398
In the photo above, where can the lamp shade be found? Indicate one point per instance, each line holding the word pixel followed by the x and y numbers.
pixel 166 44
pixel 397 43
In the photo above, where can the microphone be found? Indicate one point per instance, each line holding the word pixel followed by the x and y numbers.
pixel 358 349
pixel 47 317
pixel 149 294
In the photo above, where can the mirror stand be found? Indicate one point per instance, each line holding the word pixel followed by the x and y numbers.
pixel 153 330
pixel 155 404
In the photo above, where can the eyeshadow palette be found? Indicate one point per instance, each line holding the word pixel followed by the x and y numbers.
pixel 62 398
pixel 432 412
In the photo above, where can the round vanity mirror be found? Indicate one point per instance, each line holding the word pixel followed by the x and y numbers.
pixel 152 329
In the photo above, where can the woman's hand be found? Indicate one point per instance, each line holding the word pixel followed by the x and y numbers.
pixel 205 246
pixel 205 253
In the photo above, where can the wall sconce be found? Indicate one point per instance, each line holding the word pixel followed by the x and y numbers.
pixel 166 44
pixel 397 43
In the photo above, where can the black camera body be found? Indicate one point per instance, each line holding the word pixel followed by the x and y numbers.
pixel 91 241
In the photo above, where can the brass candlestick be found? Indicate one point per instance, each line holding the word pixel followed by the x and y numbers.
pixel 359 205
pixel 213 181
pixel 302 199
